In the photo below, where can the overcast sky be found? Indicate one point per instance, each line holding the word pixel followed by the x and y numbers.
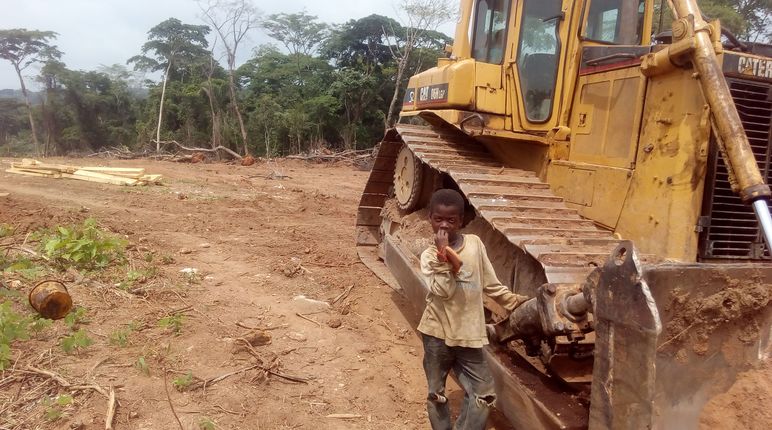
pixel 96 32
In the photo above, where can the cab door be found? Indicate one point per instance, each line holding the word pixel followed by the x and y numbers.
pixel 538 66
pixel 489 36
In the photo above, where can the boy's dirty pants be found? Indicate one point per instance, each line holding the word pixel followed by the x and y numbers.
pixel 474 376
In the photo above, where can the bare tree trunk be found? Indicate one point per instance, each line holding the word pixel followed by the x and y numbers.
pixel 397 85
pixel 29 110
pixel 235 103
pixel 213 113
pixel 161 109
pixel 267 143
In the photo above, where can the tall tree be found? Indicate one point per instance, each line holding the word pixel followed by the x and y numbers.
pixel 171 44
pixel 232 20
pixel 420 16
pixel 300 33
pixel 355 90
pixel 23 48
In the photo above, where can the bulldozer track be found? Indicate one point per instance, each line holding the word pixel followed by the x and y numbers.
pixel 513 201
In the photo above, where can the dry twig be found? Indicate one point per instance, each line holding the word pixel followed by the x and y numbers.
pixel 308 319
pixel 110 410
pixel 171 405
pixel 342 296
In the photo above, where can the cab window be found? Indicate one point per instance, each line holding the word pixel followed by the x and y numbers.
pixel 538 55
pixel 618 22
pixel 490 29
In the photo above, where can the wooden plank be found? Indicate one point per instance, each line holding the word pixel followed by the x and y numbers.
pixel 37 165
pixel 117 174
pixel 100 178
pixel 132 172
pixel 369 217
pixel 151 178
pixel 114 169
pixel 30 173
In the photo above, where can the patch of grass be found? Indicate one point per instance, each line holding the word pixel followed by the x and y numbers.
pixel 13 326
pixel 137 276
pixel 76 341
pixel 172 322
pixel 120 337
pixel 39 324
pixel 24 267
pixel 7 293
pixel 206 423
pixel 182 383
pixel 6 230
pixel 76 317
pixel 84 247
pixel 142 366
pixel 55 408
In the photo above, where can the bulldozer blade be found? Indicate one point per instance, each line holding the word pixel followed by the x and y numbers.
pixel 716 327
pixel 627 328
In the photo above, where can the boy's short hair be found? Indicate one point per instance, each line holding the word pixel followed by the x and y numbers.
pixel 447 197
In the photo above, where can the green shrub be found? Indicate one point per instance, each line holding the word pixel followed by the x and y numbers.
pixel 84 247
pixel 76 341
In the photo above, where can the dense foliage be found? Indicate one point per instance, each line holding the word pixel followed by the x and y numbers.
pixel 319 85
pixel 316 85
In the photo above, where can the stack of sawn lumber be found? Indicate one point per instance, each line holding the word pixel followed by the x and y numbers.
pixel 104 175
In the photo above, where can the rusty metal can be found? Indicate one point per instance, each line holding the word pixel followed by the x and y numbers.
pixel 51 299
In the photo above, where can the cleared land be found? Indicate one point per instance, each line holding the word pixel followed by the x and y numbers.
pixel 258 238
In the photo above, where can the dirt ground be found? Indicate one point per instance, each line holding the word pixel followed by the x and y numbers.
pixel 272 245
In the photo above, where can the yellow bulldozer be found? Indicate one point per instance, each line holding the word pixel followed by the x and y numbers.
pixel 616 177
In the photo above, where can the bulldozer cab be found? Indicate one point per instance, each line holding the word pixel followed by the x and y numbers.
pixel 523 56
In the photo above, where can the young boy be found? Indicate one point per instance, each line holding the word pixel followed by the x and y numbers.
pixel 453 323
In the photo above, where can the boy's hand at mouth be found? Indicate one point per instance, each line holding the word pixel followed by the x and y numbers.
pixel 441 240
pixel 445 252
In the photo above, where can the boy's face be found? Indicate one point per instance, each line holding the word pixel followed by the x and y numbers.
pixel 448 218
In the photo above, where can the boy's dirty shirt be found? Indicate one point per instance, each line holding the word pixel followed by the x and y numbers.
pixel 454 305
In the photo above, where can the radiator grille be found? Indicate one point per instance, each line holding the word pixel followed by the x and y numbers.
pixel 730 229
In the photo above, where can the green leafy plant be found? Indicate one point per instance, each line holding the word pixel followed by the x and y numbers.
pixel 120 337
pixel 13 326
pixel 55 409
pixel 76 341
pixel 84 246
pixel 24 267
pixel 181 383
pixel 6 230
pixel 39 324
pixel 206 423
pixel 172 322
pixel 7 293
pixel 137 276
pixel 142 366
pixel 75 317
